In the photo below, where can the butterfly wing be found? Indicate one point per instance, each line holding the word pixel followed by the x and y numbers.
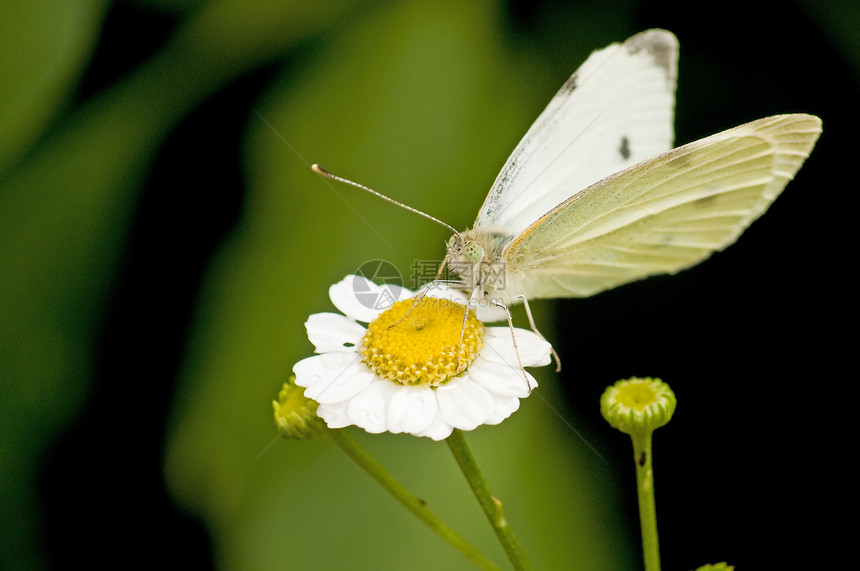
pixel 616 110
pixel 662 215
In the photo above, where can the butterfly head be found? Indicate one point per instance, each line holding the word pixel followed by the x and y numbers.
pixel 464 255
pixel 463 251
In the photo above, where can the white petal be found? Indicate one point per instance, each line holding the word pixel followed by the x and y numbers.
pixel 464 404
pixel 333 332
pixel 312 370
pixel 438 429
pixel 499 347
pixel 362 300
pixel 411 409
pixel 334 414
pixel 368 409
pixel 484 310
pixel 503 408
pixel 502 380
pixel 332 377
pixel 309 371
pixel 489 313
pixel 441 291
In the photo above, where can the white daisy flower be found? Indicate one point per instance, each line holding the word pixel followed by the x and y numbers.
pixel 403 377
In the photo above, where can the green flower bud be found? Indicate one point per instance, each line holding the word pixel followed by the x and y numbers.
pixel 295 414
pixel 716 567
pixel 638 406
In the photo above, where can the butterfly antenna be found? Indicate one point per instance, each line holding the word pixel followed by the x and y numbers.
pixel 321 171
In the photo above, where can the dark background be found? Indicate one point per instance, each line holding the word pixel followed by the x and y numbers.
pixel 753 468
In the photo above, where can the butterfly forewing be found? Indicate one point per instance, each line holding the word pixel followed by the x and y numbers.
pixel 661 215
pixel 616 110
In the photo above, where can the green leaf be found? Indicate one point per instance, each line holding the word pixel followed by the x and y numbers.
pixel 716 567
pixel 43 49
pixel 64 213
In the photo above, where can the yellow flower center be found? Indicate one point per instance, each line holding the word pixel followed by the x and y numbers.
pixel 419 343
pixel 637 394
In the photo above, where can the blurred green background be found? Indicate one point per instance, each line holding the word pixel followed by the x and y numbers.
pixel 162 241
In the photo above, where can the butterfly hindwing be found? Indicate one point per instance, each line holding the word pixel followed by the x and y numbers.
pixel 661 215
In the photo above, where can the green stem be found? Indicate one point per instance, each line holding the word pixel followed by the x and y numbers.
pixel 491 506
pixel 647 510
pixel 346 442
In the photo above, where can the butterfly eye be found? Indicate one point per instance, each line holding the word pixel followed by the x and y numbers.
pixel 473 252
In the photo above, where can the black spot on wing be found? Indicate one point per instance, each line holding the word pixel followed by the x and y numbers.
pixel 662 45
pixel 624 149
pixel 568 86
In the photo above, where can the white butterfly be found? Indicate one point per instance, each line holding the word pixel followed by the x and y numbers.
pixel 592 197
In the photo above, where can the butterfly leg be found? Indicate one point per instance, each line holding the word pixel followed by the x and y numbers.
pixel 463 327
pixel 514 340
pixel 538 333
pixel 425 290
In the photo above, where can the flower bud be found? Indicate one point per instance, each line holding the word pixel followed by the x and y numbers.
pixel 638 406
pixel 295 414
